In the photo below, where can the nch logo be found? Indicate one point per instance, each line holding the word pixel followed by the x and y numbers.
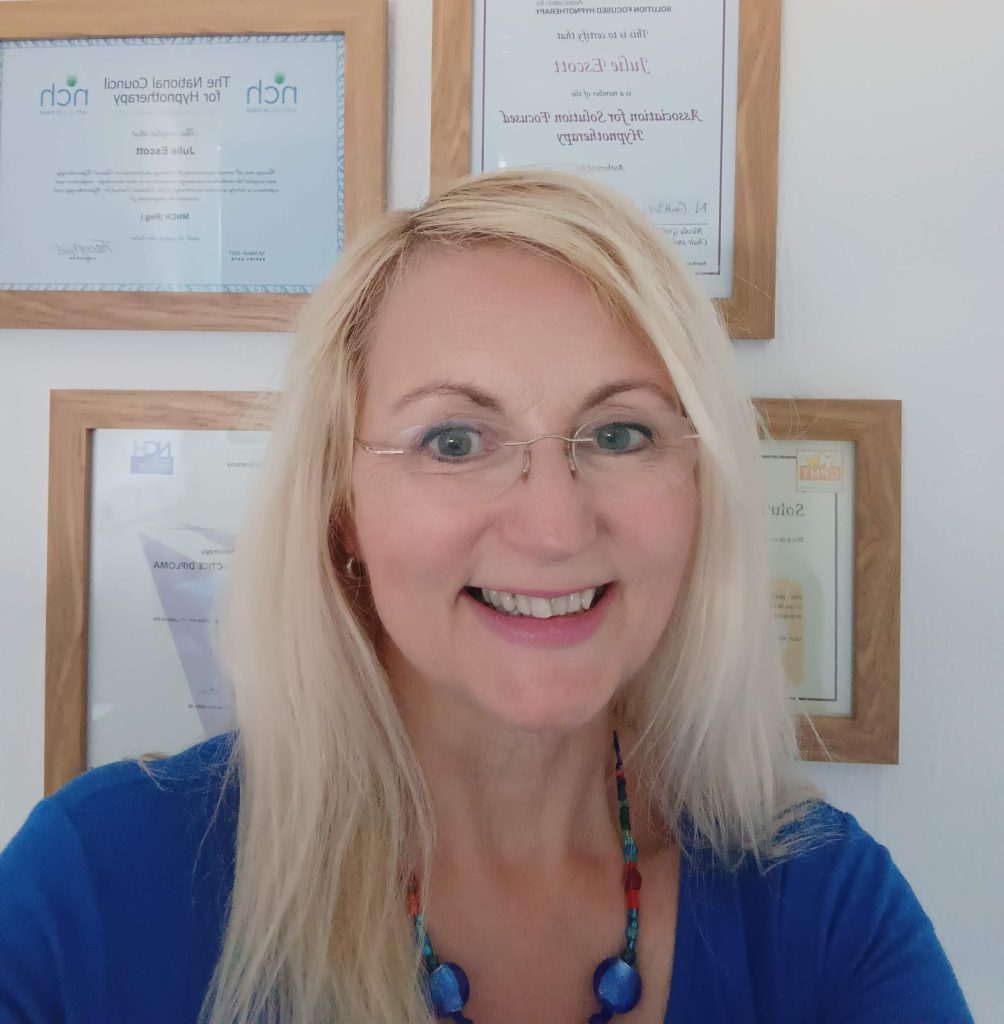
pixel 152 457
pixel 269 95
pixel 63 96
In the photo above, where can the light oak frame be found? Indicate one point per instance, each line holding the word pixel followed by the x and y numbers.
pixel 73 416
pixel 749 313
pixel 871 733
pixel 364 25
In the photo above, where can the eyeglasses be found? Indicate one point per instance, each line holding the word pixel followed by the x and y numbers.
pixel 622 448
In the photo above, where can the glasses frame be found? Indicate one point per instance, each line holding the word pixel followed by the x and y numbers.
pixel 524 473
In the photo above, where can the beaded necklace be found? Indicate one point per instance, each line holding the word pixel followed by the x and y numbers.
pixel 616 981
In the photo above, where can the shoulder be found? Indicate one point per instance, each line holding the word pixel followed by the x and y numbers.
pixel 122 852
pixel 110 803
pixel 841 875
pixel 820 841
pixel 838 926
pixel 828 877
pixel 127 813
pixel 812 840
pixel 198 768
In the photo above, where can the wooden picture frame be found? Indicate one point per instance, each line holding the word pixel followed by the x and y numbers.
pixel 871 733
pixel 74 416
pixel 363 23
pixel 749 313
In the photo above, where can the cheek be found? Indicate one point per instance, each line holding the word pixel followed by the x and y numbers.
pixel 416 559
pixel 410 547
pixel 660 545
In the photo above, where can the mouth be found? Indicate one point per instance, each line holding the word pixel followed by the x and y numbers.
pixel 516 605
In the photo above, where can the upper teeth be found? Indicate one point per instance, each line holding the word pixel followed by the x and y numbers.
pixel 539 607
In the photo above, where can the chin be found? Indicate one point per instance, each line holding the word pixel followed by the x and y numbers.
pixel 535 712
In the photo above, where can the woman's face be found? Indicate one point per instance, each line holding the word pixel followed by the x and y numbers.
pixel 530 337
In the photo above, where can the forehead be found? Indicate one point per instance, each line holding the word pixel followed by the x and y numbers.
pixel 514 322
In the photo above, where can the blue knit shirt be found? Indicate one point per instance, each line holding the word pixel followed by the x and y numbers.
pixel 113 894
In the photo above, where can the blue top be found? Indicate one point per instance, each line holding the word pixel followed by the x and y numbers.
pixel 112 898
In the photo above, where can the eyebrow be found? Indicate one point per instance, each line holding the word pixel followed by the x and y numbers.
pixel 488 401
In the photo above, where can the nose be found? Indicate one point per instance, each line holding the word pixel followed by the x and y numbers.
pixel 550 514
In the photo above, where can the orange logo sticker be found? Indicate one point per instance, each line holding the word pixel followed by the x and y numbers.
pixel 820 471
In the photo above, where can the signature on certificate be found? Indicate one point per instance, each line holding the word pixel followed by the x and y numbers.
pixel 86 251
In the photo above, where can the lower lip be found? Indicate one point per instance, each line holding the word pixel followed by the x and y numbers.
pixel 557 631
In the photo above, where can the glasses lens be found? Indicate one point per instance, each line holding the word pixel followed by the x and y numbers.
pixel 626 446
pixel 458 455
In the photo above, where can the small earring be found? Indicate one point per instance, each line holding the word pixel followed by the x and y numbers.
pixel 354 569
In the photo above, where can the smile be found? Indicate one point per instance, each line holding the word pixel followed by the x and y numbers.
pixel 528 605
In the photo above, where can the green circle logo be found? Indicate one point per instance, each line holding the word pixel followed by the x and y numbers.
pixel 279 78
pixel 71 80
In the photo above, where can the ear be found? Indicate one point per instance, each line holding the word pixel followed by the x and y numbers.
pixel 342 539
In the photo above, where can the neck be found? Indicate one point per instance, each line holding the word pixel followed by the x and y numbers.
pixel 507 796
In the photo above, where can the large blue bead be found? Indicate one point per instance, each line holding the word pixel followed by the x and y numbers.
pixel 448 989
pixel 617 985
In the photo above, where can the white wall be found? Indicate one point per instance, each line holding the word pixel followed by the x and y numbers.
pixel 889 283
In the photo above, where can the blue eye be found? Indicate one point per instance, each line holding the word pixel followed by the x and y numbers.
pixel 451 442
pixel 621 437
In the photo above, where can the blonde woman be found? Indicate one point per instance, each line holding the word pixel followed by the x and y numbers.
pixel 508 531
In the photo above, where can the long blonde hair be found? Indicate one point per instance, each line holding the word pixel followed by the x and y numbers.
pixel 334 812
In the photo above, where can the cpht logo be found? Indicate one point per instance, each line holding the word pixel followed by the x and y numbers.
pixel 820 471
pixel 72 95
pixel 277 93
pixel 152 458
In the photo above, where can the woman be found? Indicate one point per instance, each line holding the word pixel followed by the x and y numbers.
pixel 509 526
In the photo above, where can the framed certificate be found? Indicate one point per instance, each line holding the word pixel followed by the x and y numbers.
pixel 831 475
pixel 146 491
pixel 676 105
pixel 193 165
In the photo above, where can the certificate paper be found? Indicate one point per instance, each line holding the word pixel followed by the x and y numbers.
pixel 640 96
pixel 204 164
pixel 165 509
pixel 809 510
